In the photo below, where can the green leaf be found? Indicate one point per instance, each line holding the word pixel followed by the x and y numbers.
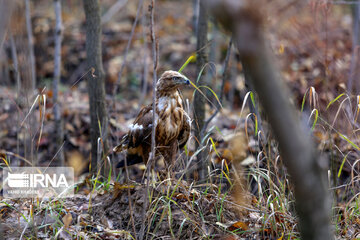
pixel 303 101
pixel 197 88
pixel 349 141
pixel 256 125
pixel 190 59
pixel 217 99
pixel 315 118
pixel 342 164
pixel 335 99
pixel 213 144
pixel 252 99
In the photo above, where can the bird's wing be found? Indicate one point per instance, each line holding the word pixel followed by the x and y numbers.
pixel 186 125
pixel 185 130
pixel 140 130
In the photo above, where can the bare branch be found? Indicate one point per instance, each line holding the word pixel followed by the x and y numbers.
pixel 113 10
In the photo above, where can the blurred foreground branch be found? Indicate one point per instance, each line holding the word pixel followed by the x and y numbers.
pixel 245 21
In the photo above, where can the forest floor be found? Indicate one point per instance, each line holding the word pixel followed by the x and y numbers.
pixel 247 193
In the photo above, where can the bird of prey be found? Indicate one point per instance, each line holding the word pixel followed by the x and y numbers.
pixel 172 124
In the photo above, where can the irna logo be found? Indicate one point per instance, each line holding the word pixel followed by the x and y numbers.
pixel 25 182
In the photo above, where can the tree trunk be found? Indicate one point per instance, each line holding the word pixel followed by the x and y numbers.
pixel 199 100
pixel 30 88
pixel 306 168
pixel 59 132
pixel 354 87
pixel 96 87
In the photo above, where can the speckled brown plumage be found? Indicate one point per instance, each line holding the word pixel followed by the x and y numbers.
pixel 172 124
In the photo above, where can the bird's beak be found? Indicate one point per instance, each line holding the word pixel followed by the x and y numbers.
pixel 187 81
pixel 184 80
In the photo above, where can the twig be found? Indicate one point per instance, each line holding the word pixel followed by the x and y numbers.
pixel 58 151
pixel 23 232
pixel 127 49
pixel 113 10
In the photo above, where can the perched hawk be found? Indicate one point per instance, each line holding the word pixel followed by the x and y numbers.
pixel 172 124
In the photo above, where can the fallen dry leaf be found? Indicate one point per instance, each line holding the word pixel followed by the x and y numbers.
pixel 239 226
pixel 67 219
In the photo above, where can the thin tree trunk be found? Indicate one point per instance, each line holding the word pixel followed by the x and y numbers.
pixel 1 230
pixel 306 168
pixel 30 86
pixel 15 63
pixel 144 85
pixel 199 100
pixel 59 132
pixel 30 45
pixel 96 87
pixel 195 17
pixel 6 11
pixel 354 87
pixel 18 85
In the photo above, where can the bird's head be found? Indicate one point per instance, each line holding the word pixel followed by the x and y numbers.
pixel 170 81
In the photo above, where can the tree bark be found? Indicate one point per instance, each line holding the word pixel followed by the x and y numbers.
pixel 59 131
pixel 96 87
pixel 306 168
pixel 199 100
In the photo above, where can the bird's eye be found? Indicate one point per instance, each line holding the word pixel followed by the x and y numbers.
pixel 175 78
